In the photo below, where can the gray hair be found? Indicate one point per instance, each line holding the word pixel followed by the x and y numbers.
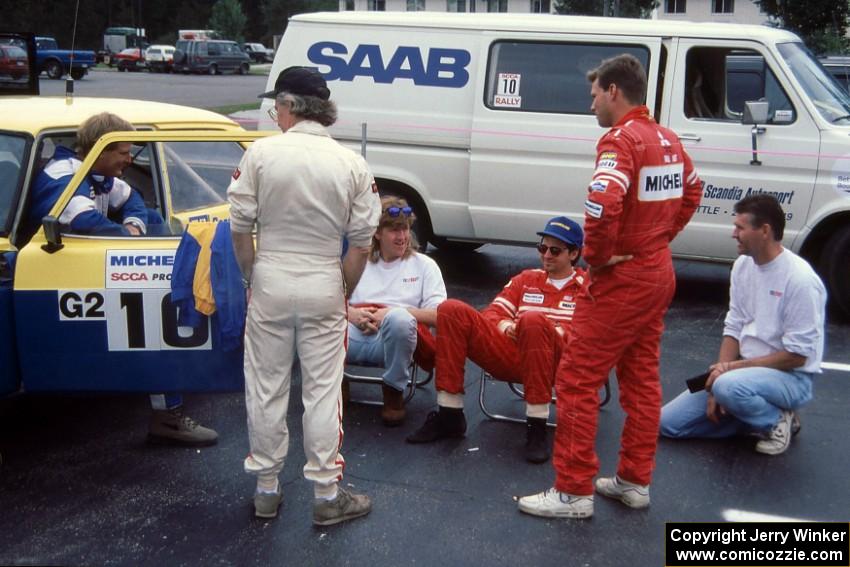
pixel 309 107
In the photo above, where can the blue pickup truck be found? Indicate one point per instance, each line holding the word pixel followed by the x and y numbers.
pixel 57 62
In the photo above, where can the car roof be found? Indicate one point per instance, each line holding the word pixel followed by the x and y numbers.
pixel 549 23
pixel 161 46
pixel 35 114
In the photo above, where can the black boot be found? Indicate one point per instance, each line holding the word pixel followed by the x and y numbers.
pixel 448 422
pixel 536 447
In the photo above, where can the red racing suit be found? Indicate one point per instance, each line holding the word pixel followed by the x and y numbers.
pixel 536 307
pixel 643 192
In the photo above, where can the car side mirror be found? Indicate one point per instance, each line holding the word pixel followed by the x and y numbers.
pixel 53 234
pixel 755 112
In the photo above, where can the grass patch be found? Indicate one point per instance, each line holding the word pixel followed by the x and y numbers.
pixel 229 109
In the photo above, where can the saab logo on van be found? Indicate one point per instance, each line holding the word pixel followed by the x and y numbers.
pixel 662 182
pixel 438 67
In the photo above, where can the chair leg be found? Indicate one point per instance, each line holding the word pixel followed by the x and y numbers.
pixel 409 389
pixel 482 394
pixel 517 389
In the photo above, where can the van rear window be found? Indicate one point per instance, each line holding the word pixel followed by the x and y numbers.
pixel 548 77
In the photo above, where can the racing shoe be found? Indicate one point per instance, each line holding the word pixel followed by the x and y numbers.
pixel 631 494
pixel 443 424
pixel 552 503
pixel 267 503
pixel 536 447
pixel 346 506
pixel 172 427
pixel 779 438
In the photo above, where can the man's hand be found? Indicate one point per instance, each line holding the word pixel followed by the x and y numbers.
pixel 133 229
pixel 716 370
pixel 713 410
pixel 363 318
pixel 510 331
pixel 613 260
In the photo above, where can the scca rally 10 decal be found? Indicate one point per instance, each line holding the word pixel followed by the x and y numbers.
pixel 437 67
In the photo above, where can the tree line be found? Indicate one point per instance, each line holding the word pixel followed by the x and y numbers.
pixel 821 23
pixel 263 19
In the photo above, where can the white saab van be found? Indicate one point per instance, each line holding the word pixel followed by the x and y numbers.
pixel 483 122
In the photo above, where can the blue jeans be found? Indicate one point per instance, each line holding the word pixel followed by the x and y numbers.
pixel 391 347
pixel 752 397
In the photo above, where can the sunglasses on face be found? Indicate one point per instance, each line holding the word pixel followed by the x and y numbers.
pixel 272 113
pixel 396 211
pixel 553 250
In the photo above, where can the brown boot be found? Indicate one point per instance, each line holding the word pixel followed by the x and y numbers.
pixel 393 410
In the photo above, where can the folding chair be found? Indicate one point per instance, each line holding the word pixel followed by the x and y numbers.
pixel 423 363
pixel 516 388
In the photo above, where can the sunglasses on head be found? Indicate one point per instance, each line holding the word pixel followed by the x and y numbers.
pixel 396 211
pixel 553 250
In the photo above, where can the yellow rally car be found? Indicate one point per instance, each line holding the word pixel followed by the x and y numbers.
pixel 93 313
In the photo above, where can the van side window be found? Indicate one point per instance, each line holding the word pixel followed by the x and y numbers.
pixel 718 81
pixel 547 77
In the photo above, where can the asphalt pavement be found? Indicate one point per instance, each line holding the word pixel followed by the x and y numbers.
pixel 80 486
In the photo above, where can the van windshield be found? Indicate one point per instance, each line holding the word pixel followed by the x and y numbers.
pixel 829 98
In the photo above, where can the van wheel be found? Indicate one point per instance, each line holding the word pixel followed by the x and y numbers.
pixel 243 69
pixel 54 70
pixel 213 70
pixel 835 268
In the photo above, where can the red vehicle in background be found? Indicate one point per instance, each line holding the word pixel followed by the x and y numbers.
pixel 13 62
pixel 130 59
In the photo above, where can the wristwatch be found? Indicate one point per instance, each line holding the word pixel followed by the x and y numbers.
pixel 246 282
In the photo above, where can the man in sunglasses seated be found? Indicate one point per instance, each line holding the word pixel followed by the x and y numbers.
pixel 519 337
pixel 398 291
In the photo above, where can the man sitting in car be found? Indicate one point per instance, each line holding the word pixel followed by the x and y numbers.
pixel 106 205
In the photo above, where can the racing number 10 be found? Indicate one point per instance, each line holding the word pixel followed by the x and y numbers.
pixel 132 303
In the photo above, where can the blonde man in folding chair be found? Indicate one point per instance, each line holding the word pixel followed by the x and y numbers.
pixel 392 305
pixel 518 337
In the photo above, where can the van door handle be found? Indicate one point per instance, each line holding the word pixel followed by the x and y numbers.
pixel 690 137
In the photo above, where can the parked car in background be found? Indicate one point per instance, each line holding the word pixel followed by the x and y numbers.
pixel 160 58
pixel 13 62
pixel 130 59
pixel 212 56
pixel 258 52
pixel 57 62
pixel 839 67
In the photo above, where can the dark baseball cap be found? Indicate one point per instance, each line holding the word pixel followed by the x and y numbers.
pixel 565 230
pixel 304 81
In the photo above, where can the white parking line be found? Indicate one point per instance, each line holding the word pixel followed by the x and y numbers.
pixel 835 366
pixel 733 515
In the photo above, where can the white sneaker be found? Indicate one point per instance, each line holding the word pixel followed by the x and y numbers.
pixel 552 503
pixel 631 494
pixel 779 438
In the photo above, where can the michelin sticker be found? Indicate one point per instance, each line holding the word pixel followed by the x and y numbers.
pixel 139 269
pixel 507 91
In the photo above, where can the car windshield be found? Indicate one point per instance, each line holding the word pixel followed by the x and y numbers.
pixel 12 149
pixel 829 98
pixel 200 172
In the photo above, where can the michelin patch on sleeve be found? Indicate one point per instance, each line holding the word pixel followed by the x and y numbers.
pixel 593 209
pixel 607 160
